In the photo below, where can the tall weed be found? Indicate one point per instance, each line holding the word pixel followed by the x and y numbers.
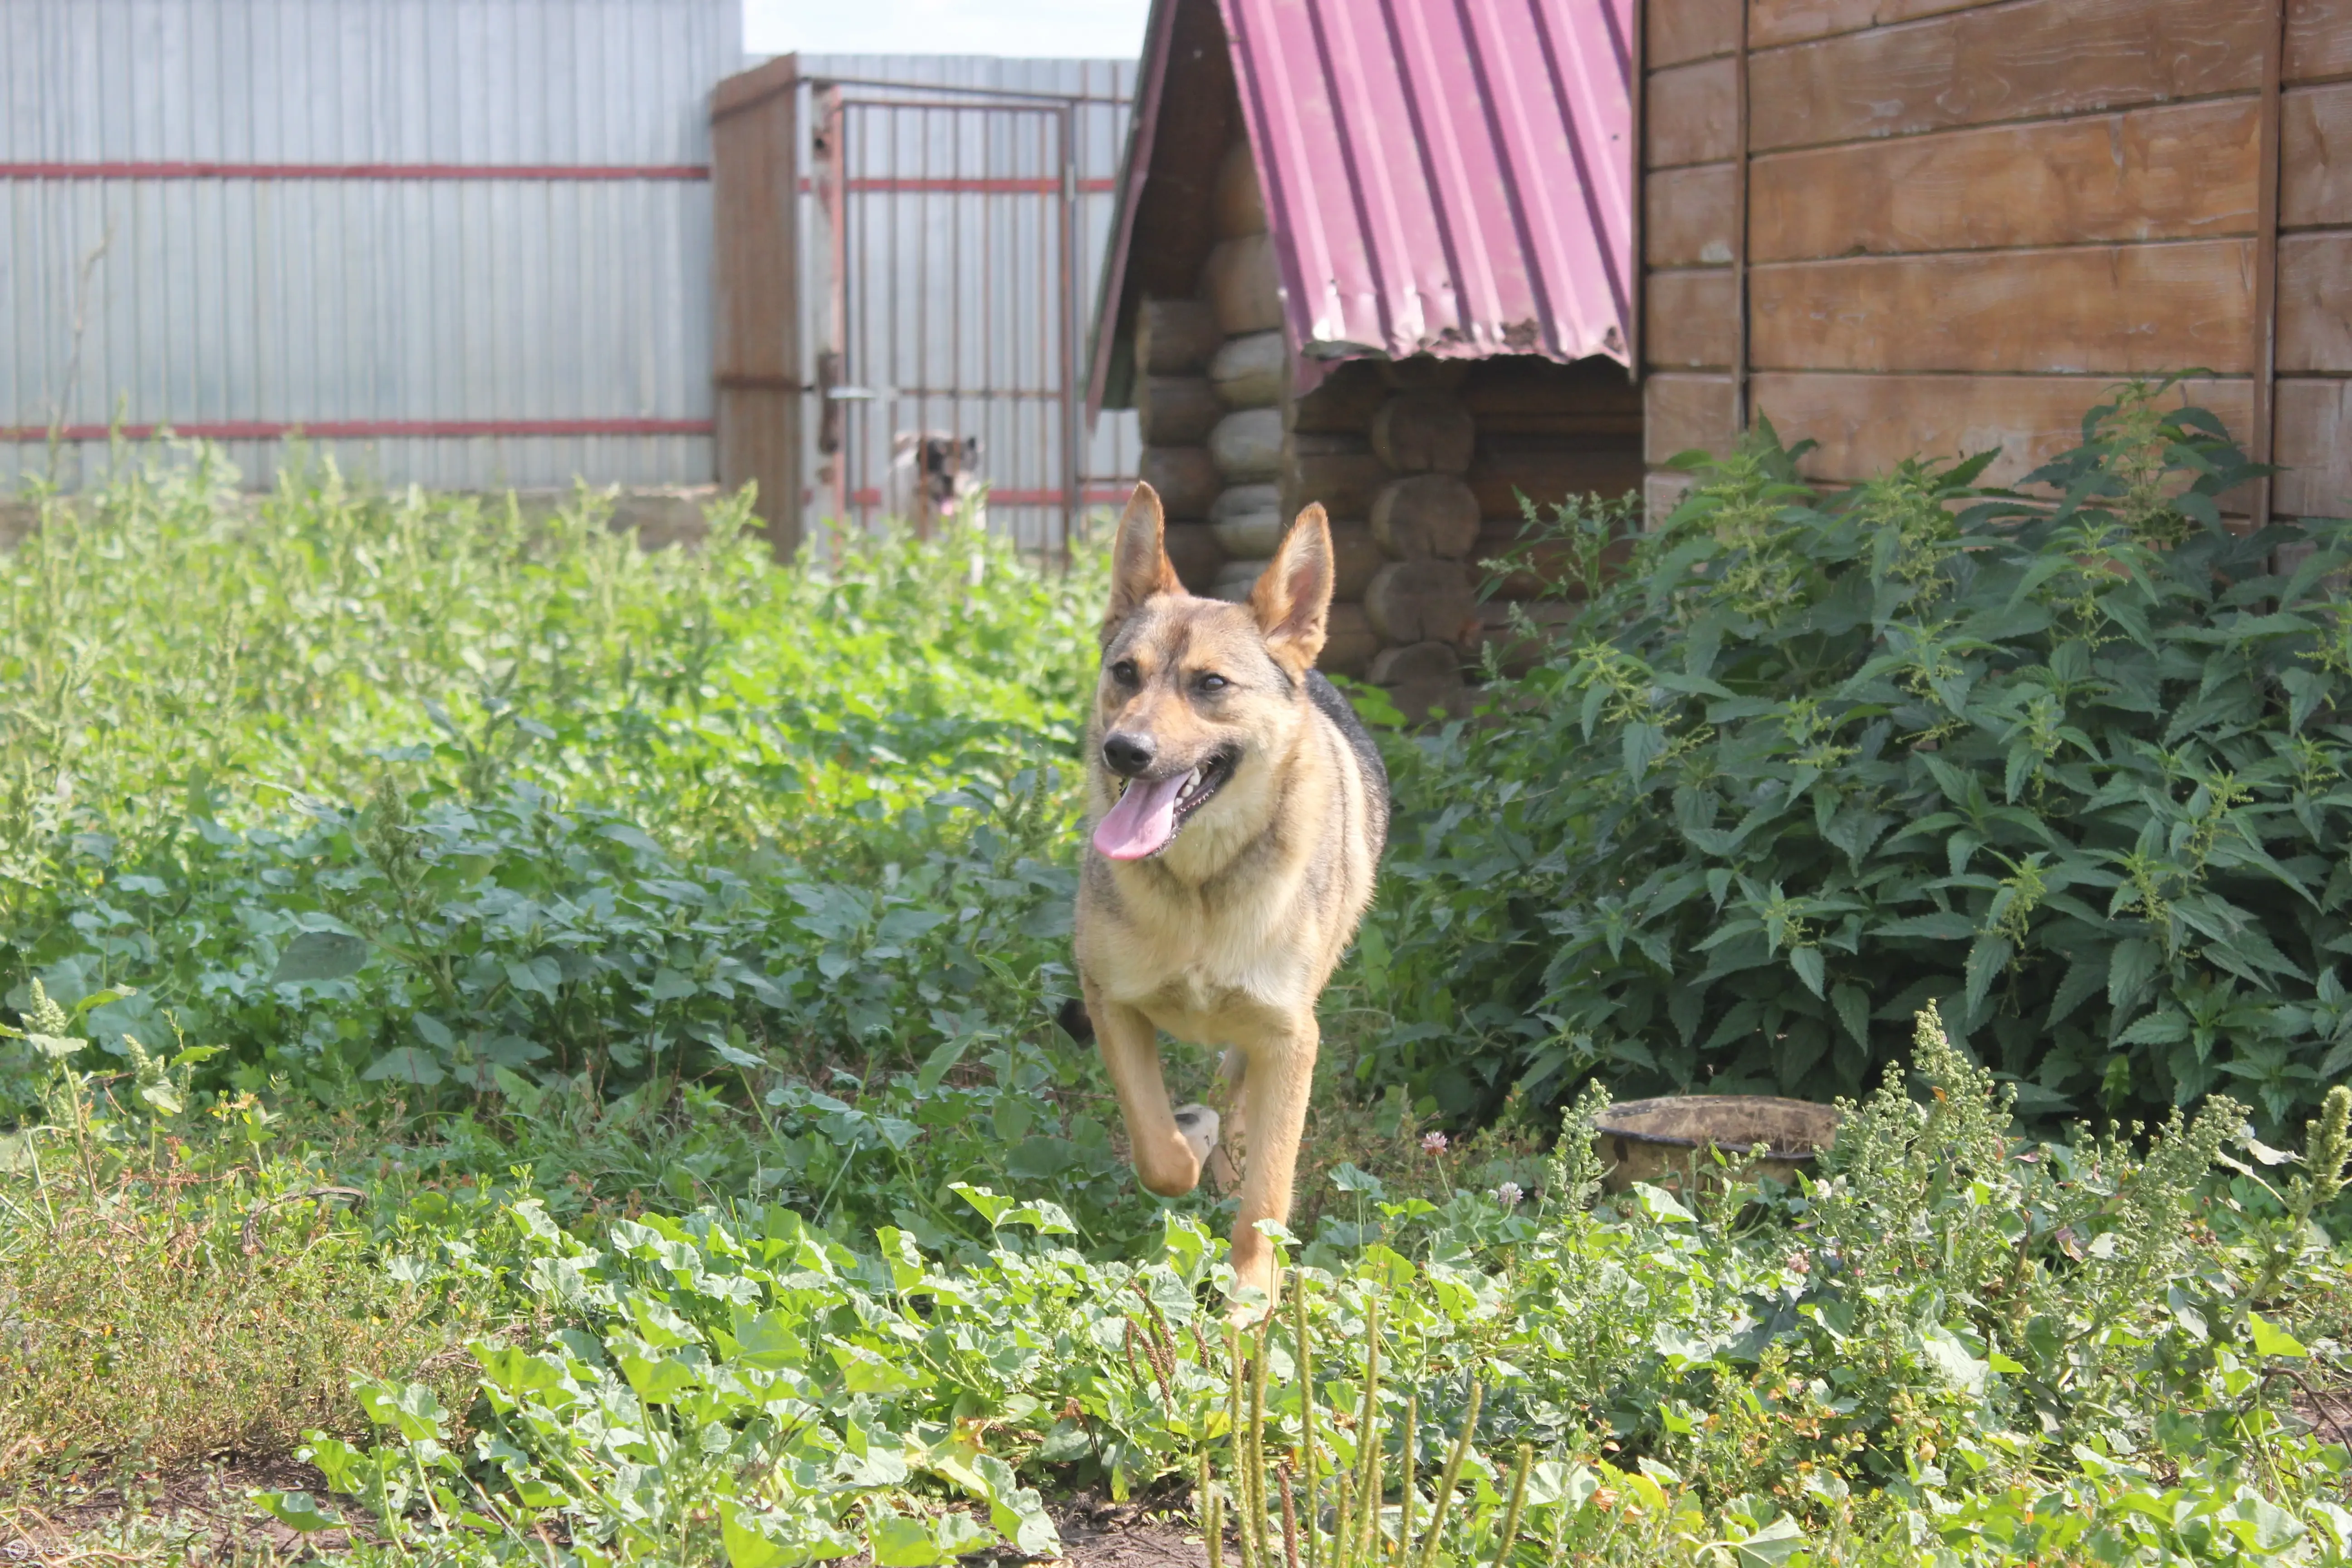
pixel 2074 769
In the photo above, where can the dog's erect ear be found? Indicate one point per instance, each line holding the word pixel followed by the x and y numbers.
pixel 1292 600
pixel 1140 568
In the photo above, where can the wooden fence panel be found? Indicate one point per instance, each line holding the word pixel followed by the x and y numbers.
pixel 1688 320
pixel 755 209
pixel 2315 156
pixel 2319 39
pixel 1867 423
pixel 1683 412
pixel 2179 172
pixel 2029 60
pixel 1687 216
pixel 1687 116
pixel 2314 302
pixel 2122 309
pixel 1776 22
pixel 2314 417
pixel 1680 31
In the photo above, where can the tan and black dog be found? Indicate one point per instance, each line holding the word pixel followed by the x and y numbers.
pixel 1239 808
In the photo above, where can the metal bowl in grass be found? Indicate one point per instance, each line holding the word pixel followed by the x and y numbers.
pixel 1661 1142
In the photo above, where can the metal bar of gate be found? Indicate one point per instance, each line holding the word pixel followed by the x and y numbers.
pixel 1072 482
pixel 889 362
pixel 833 177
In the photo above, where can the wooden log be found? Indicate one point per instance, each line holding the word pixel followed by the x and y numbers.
pixel 1608 429
pixel 1349 643
pixel 1433 660
pixel 1251 372
pixel 1344 401
pixel 1687 116
pixel 1243 286
pixel 1250 535
pixel 1867 423
pixel 2034 60
pixel 1235 499
pixel 1424 431
pixel 2111 309
pixel 1237 578
pixel 1193 551
pixel 1343 483
pixel 1176 410
pixel 1687 413
pixel 1425 516
pixel 1550 478
pixel 1687 215
pixel 2315 156
pixel 1538 568
pixel 2314 302
pixel 1356 559
pixel 1518 647
pixel 2319 39
pixel 1185 478
pixel 1423 682
pixel 1175 337
pixel 1690 319
pixel 1679 31
pixel 1247 446
pixel 1420 601
pixel 2179 172
pixel 1520 393
pixel 2315 445
pixel 1423 373
pixel 1235 208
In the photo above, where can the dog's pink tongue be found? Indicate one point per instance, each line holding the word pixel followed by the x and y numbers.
pixel 1142 822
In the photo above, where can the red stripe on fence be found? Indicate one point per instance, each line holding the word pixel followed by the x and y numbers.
pixel 216 171
pixel 363 430
pixel 973 186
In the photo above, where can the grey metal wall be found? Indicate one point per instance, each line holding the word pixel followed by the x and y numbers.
pixel 959 288
pixel 473 233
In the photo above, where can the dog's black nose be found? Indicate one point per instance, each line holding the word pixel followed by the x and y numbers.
pixel 1128 755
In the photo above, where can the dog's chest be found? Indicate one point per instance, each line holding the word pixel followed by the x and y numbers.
pixel 1200 970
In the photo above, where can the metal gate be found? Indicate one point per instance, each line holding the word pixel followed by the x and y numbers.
pixel 948 248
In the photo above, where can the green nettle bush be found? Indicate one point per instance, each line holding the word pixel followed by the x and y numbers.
pixel 2075 768
pixel 391 795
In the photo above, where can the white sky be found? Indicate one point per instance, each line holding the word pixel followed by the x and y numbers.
pixel 1083 29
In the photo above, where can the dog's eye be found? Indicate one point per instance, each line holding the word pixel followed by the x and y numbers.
pixel 1123 672
pixel 1214 683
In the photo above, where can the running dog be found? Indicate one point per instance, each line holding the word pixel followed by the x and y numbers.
pixel 1239 811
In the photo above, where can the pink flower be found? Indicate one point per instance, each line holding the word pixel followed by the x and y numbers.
pixel 1433 1143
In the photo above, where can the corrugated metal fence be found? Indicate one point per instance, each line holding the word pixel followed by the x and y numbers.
pixel 468 243
pixel 959 291
pixel 468 239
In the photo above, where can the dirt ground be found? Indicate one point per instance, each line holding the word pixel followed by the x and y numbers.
pixel 202 1517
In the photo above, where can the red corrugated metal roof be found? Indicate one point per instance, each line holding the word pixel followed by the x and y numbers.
pixel 1452 177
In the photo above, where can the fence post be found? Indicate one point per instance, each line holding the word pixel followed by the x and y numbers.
pixel 756 360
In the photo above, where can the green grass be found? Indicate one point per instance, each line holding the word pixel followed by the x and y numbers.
pixel 663 948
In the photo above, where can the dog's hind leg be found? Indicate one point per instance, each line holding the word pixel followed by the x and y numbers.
pixel 1218 1162
pixel 1280 1073
pixel 1164 1160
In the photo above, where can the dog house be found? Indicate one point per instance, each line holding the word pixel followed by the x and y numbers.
pixel 1382 257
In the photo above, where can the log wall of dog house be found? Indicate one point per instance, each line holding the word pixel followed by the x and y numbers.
pixel 1940 227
